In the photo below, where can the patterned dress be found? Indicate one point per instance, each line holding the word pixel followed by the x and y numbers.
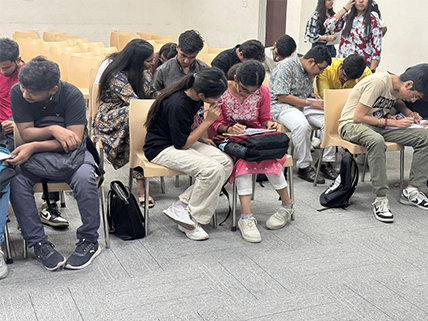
pixel 357 43
pixel 111 123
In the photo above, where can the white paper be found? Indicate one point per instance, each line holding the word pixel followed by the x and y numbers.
pixel 4 156
pixel 337 40
pixel 254 131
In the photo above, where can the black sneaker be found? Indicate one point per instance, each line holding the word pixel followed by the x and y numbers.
pixel 52 217
pixel 50 257
pixel 83 255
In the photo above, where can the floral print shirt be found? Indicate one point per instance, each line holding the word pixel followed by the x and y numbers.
pixel 289 78
pixel 357 43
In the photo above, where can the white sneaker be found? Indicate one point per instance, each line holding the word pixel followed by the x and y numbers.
pixel 415 198
pixel 382 212
pixel 180 215
pixel 280 218
pixel 249 230
pixel 197 234
pixel 315 143
pixel 3 267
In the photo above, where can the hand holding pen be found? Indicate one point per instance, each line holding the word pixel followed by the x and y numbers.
pixel 235 129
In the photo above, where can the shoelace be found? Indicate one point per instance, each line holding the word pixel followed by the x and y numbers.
pixel 419 195
pixel 53 211
pixel 251 222
pixel 46 248
pixel 82 246
pixel 383 206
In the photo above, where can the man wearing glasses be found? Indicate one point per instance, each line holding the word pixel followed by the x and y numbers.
pixel 295 105
pixel 342 73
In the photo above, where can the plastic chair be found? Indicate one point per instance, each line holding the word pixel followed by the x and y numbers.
pixel 28 48
pixel 215 50
pixel 146 35
pixel 334 100
pixel 60 37
pixel 79 67
pixel 55 52
pixel 204 49
pixel 114 38
pixel 206 57
pixel 102 51
pixel 266 81
pixel 64 62
pixel 289 165
pixel 44 47
pixel 50 36
pixel 163 39
pixel 86 46
pixel 124 39
pixel 26 35
pixel 138 110
pixel 93 95
pixel 75 42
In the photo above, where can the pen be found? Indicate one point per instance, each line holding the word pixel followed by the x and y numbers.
pixel 200 113
pixel 233 119
pixel 402 115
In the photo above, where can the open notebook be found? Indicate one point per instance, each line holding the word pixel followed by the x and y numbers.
pixel 4 156
pixel 253 131
pixel 411 126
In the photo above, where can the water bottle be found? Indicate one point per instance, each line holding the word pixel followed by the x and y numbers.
pixel 236 149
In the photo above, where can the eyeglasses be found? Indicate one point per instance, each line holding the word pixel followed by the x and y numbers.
pixel 244 91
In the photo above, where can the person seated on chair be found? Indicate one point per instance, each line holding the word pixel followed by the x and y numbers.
pixel 246 103
pixel 366 120
pixel 283 48
pixel 120 82
pixel 342 73
pixel 249 50
pixel 38 95
pixel 190 43
pixel 292 92
pixel 170 142
pixel 166 52
pixel 10 63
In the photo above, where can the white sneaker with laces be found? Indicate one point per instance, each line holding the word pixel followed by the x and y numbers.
pixel 249 230
pixel 3 267
pixel 415 198
pixel 382 212
pixel 180 215
pixel 279 218
pixel 197 234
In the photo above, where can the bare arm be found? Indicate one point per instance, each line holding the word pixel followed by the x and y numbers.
pixel 212 115
pixel 360 116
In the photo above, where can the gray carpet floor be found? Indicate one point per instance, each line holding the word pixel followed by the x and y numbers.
pixel 332 265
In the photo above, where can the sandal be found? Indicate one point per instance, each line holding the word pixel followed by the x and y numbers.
pixel 142 200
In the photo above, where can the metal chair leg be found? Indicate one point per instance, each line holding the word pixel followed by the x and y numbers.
pixel 177 181
pixel 9 259
pixel 401 173
pixel 319 166
pixel 190 180
pixel 62 198
pixel 162 179
pixel 104 215
pixel 363 176
pixel 130 179
pixel 146 208
pixel 291 186
pixel 25 249
pixel 214 220
pixel 254 176
pixel 234 199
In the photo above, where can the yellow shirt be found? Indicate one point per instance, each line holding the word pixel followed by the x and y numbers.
pixel 330 80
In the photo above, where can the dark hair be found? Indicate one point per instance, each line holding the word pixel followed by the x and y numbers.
pixel 209 81
pixel 419 75
pixel 168 50
pixel 354 66
pixel 367 20
pixel 322 12
pixel 320 54
pixel 9 50
pixel 253 49
pixel 285 46
pixel 190 42
pixel 232 71
pixel 375 8
pixel 251 73
pixel 39 74
pixel 131 61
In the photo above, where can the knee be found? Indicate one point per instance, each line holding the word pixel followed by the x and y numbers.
pixel 377 143
pixel 303 128
pixel 214 171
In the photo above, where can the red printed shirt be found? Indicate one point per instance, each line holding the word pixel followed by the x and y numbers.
pixel 6 84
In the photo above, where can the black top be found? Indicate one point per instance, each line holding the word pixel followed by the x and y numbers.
pixel 226 59
pixel 173 125
pixel 420 106
pixel 67 103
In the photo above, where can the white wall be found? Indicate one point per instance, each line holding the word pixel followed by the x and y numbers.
pixel 404 44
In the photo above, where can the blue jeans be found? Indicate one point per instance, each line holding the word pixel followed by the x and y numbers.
pixel 331 49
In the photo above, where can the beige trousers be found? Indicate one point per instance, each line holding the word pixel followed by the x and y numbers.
pixel 209 166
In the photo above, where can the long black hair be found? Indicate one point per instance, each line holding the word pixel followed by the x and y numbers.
pixel 322 12
pixel 375 8
pixel 131 61
pixel 251 73
pixel 367 20
pixel 210 81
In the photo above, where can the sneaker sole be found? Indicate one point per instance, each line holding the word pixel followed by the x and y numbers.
pixel 384 220
pixel 184 224
pixel 47 222
pixel 246 238
pixel 70 267
pixel 191 237
pixel 59 265
pixel 4 275
pixel 406 202
pixel 270 227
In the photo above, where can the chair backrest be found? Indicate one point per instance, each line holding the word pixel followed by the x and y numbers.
pixel 26 34
pixel 146 35
pixel 55 52
pixel 334 100
pixel 64 62
pixel 86 46
pixel 124 39
pixel 45 46
pixel 17 139
pixel 114 38
pixel 266 81
pixel 204 49
pixel 75 42
pixel 79 67
pixel 157 46
pixel 206 57
pixel 138 110
pixel 60 37
pixel 28 48
pixel 50 36
pixel 102 51
pixel 93 92
pixel 215 50
pixel 163 39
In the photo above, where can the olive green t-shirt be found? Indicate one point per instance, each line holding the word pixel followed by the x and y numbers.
pixel 374 91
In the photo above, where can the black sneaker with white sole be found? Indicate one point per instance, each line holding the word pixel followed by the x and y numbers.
pixel 52 217
pixel 382 212
pixel 83 255
pixel 415 198
pixel 51 258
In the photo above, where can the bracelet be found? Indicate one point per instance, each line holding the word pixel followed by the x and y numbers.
pixel 346 10
pixel 386 122
pixel 227 128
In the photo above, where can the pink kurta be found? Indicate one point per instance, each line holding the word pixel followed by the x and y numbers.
pixel 253 113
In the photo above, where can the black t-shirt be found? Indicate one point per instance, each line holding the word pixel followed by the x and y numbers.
pixel 68 103
pixel 173 124
pixel 226 59
pixel 420 106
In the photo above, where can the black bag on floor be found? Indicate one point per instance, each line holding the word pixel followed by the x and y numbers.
pixel 124 215
pixel 341 190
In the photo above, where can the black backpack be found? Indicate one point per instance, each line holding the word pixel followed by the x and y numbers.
pixel 341 190
pixel 123 212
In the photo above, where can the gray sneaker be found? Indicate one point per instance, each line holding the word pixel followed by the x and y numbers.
pixel 83 255
pixel 180 215
pixel 3 267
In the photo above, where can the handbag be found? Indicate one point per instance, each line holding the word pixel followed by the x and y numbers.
pixel 57 166
pixel 123 212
